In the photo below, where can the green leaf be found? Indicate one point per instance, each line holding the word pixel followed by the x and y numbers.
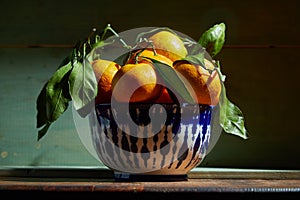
pixel 43 131
pixel 57 93
pixel 195 58
pixel 44 118
pixel 41 117
pixel 53 99
pixel 83 84
pixel 231 117
pixel 172 80
pixel 213 39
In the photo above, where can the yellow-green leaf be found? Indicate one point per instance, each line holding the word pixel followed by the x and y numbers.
pixel 213 39
pixel 231 117
pixel 83 84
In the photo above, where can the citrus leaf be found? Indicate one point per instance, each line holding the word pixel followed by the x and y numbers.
pixel 44 105
pixel 57 93
pixel 172 80
pixel 53 99
pixel 43 131
pixel 41 107
pixel 231 117
pixel 83 84
pixel 195 58
pixel 213 39
pixel 41 117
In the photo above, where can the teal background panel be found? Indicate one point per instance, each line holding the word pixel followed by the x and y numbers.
pixel 260 60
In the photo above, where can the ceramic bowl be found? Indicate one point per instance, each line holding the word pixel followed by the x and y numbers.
pixel 149 141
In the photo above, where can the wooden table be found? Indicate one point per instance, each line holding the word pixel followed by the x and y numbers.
pixel 217 184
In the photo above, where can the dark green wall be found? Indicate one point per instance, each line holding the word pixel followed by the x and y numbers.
pixel 261 80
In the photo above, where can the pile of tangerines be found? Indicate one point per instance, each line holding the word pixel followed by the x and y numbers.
pixel 139 69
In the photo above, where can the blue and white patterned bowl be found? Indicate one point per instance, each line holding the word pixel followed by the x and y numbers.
pixel 143 152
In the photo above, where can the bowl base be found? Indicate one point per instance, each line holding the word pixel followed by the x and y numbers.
pixel 119 176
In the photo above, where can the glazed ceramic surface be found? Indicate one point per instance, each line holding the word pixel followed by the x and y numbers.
pixel 169 139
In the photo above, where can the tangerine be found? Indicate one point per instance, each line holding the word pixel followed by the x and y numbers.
pixel 138 80
pixel 164 97
pixel 168 44
pixel 104 71
pixel 204 81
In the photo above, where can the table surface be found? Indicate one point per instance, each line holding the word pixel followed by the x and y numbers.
pixel 191 185
pixel 199 180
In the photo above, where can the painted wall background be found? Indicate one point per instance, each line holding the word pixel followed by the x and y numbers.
pixel 260 59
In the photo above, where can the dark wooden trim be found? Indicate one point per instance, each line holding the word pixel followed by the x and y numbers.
pixel 21 46
pixel 261 46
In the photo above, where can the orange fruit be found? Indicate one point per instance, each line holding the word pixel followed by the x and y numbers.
pixel 104 71
pixel 164 97
pixel 206 85
pixel 168 44
pixel 141 56
pixel 138 80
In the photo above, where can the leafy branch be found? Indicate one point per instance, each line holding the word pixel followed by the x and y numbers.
pixel 74 80
pixel 231 117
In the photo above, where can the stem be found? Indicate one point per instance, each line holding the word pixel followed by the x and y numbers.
pixel 89 36
pixel 109 28
pixel 104 32
pixel 218 69
pixel 149 43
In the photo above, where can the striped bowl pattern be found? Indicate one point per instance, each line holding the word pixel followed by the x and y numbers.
pixel 179 146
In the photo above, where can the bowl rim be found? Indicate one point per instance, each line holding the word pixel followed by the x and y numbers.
pixel 149 104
